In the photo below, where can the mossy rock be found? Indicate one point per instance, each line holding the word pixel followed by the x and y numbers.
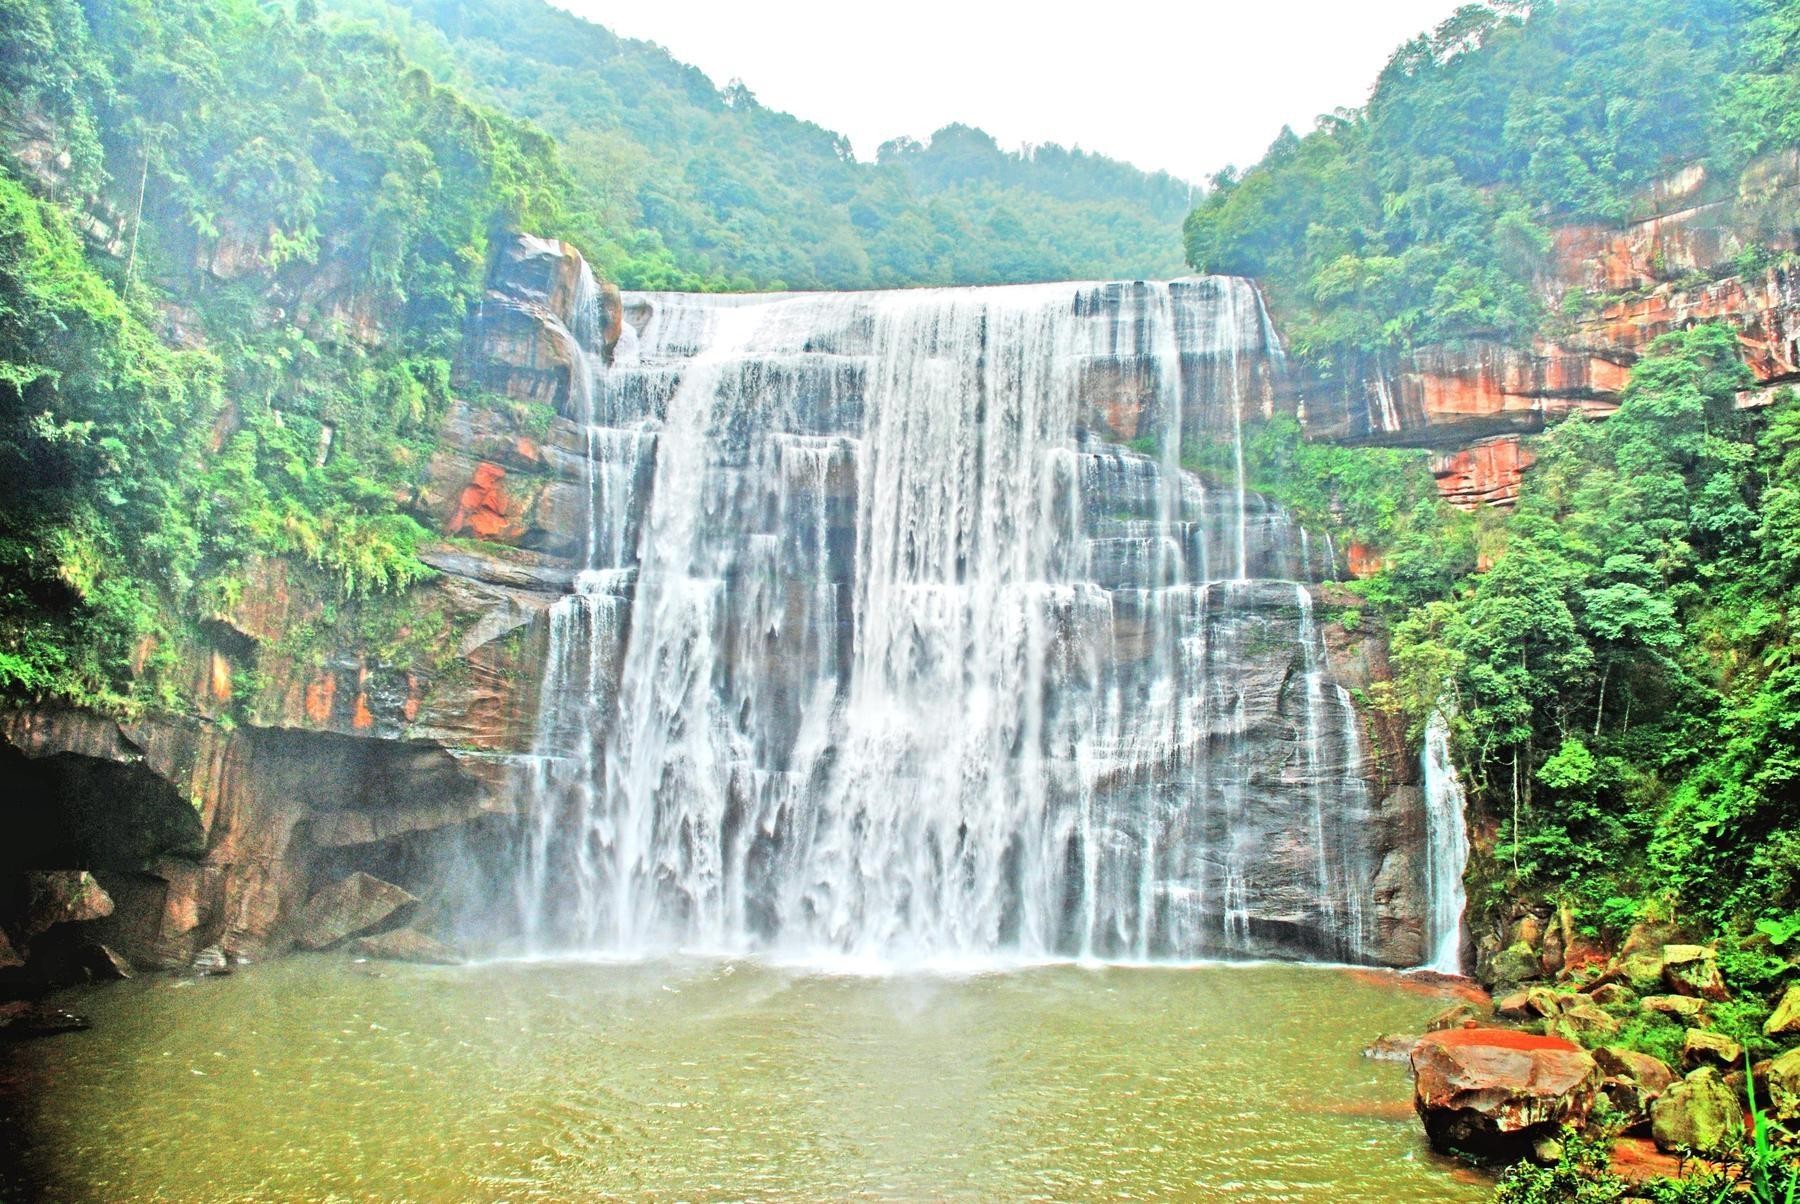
pixel 1699 1113
pixel 1642 972
pixel 1785 1021
pixel 1693 970
pixel 1782 1084
pixel 1513 965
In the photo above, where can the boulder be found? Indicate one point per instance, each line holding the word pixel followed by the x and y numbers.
pixel 1581 1022
pixel 1545 1002
pixel 1642 972
pixel 407 945
pixel 348 907
pixel 1612 995
pixel 1693 970
pixel 1516 1006
pixel 1680 1007
pixel 1457 1015
pixel 101 963
pixel 1699 1113
pixel 1780 1085
pixel 1701 1048
pixel 1634 1081
pixel 1514 965
pixel 1785 1020
pixel 62 897
pixel 1528 930
pixel 1489 1093
pixel 1615 1061
pixel 1647 936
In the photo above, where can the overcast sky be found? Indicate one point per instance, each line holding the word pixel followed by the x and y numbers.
pixel 1182 87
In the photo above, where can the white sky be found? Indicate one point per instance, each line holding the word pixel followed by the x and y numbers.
pixel 1185 88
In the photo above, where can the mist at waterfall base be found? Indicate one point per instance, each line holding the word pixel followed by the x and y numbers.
pixel 877 657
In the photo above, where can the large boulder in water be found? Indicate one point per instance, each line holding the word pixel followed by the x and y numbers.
pixel 343 909
pixel 1488 1093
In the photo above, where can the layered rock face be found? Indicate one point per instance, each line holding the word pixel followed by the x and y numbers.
pixel 1674 265
pixel 211 832
pixel 876 648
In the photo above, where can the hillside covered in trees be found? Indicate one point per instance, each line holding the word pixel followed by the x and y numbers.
pixel 1423 215
pixel 745 197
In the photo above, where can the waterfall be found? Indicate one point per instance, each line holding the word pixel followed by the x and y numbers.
pixel 1446 850
pixel 877 651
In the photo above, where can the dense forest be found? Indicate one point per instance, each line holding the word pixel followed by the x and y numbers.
pixel 703 187
pixel 1423 215
pixel 239 243
pixel 287 226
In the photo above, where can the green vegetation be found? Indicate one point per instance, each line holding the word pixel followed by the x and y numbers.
pixel 1756 1171
pixel 1625 695
pixel 700 186
pixel 1422 216
pixel 287 226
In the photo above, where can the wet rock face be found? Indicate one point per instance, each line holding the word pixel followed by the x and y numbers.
pixel 1488 1094
pixel 354 904
pixel 228 868
pixel 531 329
pixel 809 537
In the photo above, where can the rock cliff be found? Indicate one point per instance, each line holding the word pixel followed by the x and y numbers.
pixel 331 738
pixel 1697 250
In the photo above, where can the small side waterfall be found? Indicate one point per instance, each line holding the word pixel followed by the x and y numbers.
pixel 1446 850
pixel 877 652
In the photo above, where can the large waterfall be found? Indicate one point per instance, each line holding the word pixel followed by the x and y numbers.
pixel 877 652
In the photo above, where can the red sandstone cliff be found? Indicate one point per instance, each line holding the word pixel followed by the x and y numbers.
pixel 1690 255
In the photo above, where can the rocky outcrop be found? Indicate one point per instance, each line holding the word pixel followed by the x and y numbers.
pixel 1485 473
pixel 1489 1093
pixel 343 909
pixel 202 836
pixel 1692 254
pixel 543 308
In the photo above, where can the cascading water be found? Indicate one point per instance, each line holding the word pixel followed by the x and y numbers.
pixel 1446 849
pixel 876 653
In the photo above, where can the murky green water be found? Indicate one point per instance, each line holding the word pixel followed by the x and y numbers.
pixel 316 1078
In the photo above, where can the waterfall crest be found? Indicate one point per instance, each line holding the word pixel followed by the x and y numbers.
pixel 876 652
